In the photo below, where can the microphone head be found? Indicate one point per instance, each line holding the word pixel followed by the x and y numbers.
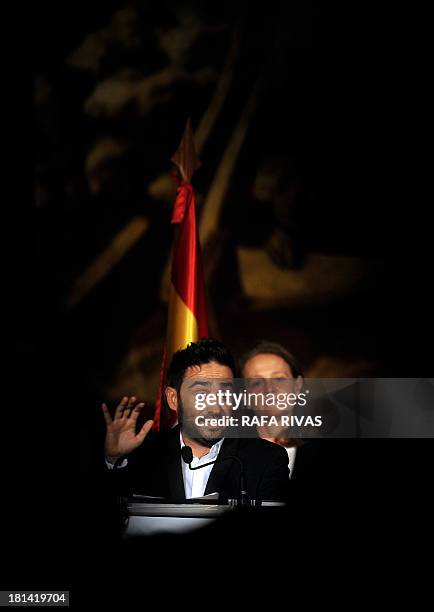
pixel 187 454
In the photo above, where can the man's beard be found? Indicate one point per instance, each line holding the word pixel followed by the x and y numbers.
pixel 189 427
pixel 194 435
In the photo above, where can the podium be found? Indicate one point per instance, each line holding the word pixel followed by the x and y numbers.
pixel 152 518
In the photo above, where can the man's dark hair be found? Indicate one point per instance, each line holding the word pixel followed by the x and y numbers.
pixel 272 348
pixel 198 353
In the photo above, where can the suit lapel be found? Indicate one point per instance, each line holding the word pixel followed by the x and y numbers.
pixel 221 469
pixel 173 467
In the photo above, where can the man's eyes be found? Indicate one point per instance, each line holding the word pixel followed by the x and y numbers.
pixel 205 391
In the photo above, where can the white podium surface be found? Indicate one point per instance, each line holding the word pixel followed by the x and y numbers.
pixel 148 519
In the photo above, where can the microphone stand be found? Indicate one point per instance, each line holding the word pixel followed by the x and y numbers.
pixel 188 458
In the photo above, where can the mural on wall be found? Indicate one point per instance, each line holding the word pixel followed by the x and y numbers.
pixel 282 258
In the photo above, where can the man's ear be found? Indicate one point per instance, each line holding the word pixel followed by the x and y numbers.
pixel 298 384
pixel 172 398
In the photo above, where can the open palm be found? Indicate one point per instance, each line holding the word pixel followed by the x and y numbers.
pixel 121 437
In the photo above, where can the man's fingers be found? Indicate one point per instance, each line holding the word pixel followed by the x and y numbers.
pixel 130 406
pixel 107 417
pixel 144 431
pixel 135 413
pixel 121 406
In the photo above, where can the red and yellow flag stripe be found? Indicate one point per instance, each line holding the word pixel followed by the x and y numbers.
pixel 187 318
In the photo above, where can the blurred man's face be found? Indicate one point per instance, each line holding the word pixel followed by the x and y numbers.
pixel 199 381
pixel 267 373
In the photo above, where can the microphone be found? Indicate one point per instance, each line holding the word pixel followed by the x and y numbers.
pixel 187 456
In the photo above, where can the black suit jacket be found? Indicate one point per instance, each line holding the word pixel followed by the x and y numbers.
pixel 155 469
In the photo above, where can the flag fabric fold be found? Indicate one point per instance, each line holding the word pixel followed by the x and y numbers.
pixel 187 316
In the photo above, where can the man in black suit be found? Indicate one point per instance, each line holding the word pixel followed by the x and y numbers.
pixel 151 463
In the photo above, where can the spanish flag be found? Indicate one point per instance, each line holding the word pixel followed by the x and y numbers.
pixel 187 316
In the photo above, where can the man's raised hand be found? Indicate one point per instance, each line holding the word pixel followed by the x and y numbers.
pixel 121 438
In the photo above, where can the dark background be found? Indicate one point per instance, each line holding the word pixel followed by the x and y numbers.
pixel 340 114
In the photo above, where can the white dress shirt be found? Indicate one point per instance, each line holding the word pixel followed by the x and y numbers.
pixel 195 481
pixel 292 451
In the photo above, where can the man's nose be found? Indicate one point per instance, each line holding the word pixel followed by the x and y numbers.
pixel 268 385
